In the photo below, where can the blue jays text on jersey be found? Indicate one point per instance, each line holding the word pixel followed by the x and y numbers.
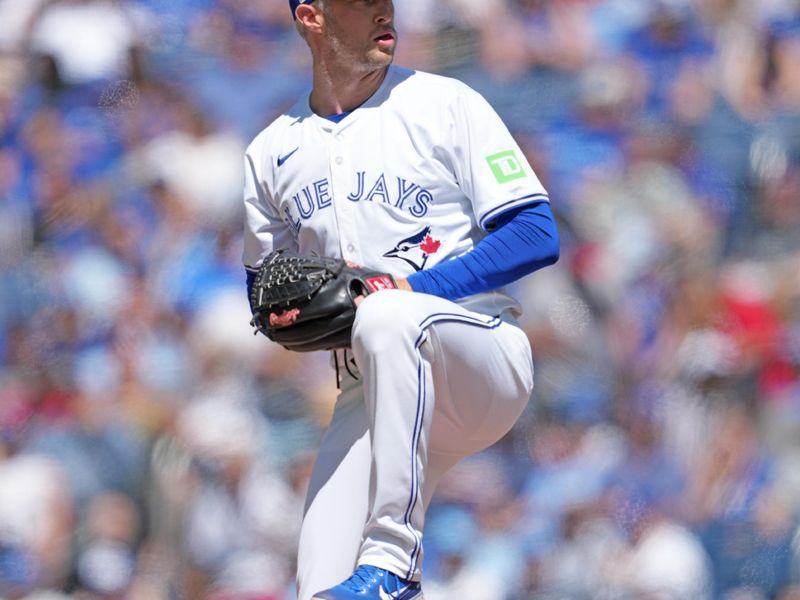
pixel 403 195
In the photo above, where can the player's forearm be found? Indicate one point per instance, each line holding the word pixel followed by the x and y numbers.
pixel 251 279
pixel 526 243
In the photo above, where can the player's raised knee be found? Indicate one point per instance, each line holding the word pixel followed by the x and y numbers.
pixel 383 309
pixel 381 317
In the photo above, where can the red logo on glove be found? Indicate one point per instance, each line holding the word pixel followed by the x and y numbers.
pixel 284 319
pixel 379 282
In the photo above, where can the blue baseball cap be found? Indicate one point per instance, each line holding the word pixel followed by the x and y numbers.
pixel 293 4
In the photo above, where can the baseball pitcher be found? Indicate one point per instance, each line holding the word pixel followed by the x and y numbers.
pixel 385 211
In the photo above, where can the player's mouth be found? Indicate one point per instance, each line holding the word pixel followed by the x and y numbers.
pixel 387 38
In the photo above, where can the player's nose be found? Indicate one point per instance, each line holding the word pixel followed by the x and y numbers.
pixel 385 12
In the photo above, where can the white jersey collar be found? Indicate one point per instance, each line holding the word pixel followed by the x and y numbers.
pixel 378 97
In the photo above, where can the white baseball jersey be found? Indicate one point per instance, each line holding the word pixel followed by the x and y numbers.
pixel 412 177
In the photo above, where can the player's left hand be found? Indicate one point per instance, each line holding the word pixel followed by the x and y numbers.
pixel 308 303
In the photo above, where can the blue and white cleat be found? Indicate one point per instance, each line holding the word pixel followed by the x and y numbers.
pixel 372 583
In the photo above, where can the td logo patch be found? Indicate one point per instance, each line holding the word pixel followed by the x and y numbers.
pixel 505 166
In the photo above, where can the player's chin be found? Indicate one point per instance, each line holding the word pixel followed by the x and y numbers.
pixel 377 60
pixel 384 47
pixel 381 56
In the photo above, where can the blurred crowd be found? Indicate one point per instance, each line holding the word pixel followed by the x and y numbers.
pixel 151 448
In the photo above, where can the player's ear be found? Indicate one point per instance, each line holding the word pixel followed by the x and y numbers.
pixel 310 17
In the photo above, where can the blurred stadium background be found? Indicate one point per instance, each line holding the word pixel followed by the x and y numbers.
pixel 152 448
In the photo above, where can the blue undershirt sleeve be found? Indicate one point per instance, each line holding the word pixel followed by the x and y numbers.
pixel 251 280
pixel 523 240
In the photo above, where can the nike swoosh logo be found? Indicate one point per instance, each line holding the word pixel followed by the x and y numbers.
pixel 384 595
pixel 285 157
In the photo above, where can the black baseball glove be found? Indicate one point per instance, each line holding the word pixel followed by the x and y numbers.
pixel 307 303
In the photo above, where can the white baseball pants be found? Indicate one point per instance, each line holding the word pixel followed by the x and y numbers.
pixel 435 383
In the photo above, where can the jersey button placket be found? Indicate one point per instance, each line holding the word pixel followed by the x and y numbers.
pixel 340 171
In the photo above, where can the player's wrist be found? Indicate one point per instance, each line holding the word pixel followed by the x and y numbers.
pixel 403 284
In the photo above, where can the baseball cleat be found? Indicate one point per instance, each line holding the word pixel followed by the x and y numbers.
pixel 372 583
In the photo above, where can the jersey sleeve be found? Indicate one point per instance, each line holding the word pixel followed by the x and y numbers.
pixel 487 161
pixel 525 240
pixel 264 229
